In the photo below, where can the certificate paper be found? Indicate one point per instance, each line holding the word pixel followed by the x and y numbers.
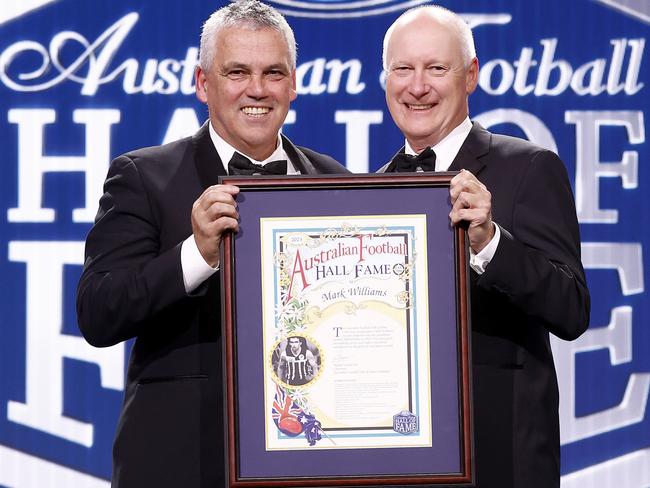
pixel 345 332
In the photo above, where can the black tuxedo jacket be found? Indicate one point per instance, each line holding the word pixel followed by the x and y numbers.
pixel 170 432
pixel 534 285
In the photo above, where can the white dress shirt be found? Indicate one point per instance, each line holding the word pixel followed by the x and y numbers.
pixel 195 269
pixel 446 151
pixel 226 151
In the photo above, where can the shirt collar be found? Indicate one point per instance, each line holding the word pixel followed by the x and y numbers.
pixel 447 149
pixel 225 152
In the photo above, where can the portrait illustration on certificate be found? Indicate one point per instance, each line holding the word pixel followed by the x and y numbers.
pixel 345 327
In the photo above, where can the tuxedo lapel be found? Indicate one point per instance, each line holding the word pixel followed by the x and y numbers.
pixel 208 164
pixel 389 167
pixel 470 155
pixel 297 158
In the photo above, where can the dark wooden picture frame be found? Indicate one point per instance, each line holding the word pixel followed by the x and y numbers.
pixel 309 196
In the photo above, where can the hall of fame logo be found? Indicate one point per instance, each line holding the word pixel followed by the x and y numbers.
pixel 405 423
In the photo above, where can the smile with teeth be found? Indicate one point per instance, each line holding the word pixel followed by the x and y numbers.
pixel 256 110
pixel 422 106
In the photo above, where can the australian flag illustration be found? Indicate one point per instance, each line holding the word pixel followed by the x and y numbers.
pixel 293 420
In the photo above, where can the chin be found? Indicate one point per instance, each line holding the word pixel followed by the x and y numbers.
pixel 258 139
pixel 419 135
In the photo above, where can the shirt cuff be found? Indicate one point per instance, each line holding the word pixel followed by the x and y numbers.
pixel 195 269
pixel 479 262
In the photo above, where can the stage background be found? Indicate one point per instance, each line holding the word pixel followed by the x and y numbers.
pixel 83 81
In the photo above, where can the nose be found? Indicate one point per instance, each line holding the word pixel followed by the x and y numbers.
pixel 419 84
pixel 256 86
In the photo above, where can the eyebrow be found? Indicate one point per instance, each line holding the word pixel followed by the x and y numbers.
pixel 278 66
pixel 236 65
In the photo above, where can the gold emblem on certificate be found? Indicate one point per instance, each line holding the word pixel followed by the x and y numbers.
pixel 345 327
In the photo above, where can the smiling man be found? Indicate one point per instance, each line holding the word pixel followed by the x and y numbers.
pixel 526 276
pixel 152 256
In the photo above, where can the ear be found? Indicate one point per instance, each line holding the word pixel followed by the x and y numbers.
pixel 201 84
pixel 471 77
pixel 294 93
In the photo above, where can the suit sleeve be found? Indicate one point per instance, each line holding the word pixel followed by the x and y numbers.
pixel 127 279
pixel 537 265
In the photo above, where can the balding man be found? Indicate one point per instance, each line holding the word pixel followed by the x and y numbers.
pixel 527 279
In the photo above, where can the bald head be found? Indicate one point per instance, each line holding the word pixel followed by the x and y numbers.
pixel 441 16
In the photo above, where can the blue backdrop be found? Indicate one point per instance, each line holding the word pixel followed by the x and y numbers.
pixel 83 81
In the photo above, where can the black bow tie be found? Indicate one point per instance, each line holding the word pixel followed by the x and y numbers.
pixel 241 165
pixel 404 163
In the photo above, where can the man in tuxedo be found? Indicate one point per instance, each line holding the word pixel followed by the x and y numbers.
pixel 152 256
pixel 526 276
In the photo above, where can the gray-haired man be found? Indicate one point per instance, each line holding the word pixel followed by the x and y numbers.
pixel 152 256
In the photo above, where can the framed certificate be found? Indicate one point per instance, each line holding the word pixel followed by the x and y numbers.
pixel 346 333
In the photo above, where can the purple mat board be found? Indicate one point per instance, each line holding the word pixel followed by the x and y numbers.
pixel 445 454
